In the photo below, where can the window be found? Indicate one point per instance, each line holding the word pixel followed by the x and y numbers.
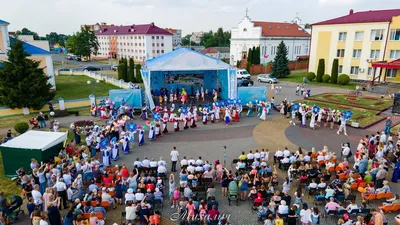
pixel 377 35
pixel 162 37
pixel 340 53
pixel 354 70
pixel 342 36
pixel 340 69
pixel 394 54
pixel 395 35
pixel 135 37
pixel 140 44
pixel 140 37
pixel 357 53
pixel 359 36
pixel 152 37
pixel 135 44
pixel 158 44
pixel 297 50
pixel 158 37
pixel 162 51
pixel 371 71
pixel 374 54
pixel 158 51
pixel 273 50
pixel 140 51
pixel 154 51
pixel 154 44
pixel 162 44
pixel 391 73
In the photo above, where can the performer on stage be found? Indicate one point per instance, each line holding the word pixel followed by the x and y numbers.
pixel 215 98
pixel 192 120
pixel 202 94
pixel 172 114
pixel 217 111
pixel 250 110
pixel 125 143
pixel 195 113
pixel 141 136
pixel 227 116
pixel 144 113
pixel 171 97
pixel 186 120
pixel 176 124
pixel 312 122
pixel 115 149
pixel 93 110
pixel 158 128
pixel 259 108
pixel 263 113
pixel 105 152
pixel 197 95
pixel 165 126
pixel 165 112
pixel 165 99
pixel 205 116
pixel 152 135
pixel 175 97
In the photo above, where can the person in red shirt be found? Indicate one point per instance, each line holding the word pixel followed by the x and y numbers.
pixel 107 179
pixel 214 213
pixel 155 219
pixel 69 150
pixel 150 186
pixel 124 172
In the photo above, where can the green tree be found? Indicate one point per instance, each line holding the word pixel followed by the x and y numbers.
pixel 280 66
pixel 238 62
pixel 257 59
pixel 307 26
pixel 248 66
pixel 254 56
pixel 249 57
pixel 131 71
pixel 139 74
pixel 22 82
pixel 125 78
pixel 335 71
pixel 26 31
pixel 320 70
pixel 55 38
pixel 121 71
pixel 83 43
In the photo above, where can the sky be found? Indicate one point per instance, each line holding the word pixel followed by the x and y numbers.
pixel 66 16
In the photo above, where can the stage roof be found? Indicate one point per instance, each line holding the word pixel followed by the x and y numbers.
pixel 184 59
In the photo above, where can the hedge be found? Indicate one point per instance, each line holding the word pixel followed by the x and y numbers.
pixel 326 78
pixel 320 70
pixel 21 127
pixel 343 79
pixel 310 76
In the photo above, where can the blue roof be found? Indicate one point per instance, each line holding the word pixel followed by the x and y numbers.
pixel 30 49
pixel 184 59
pixel 4 22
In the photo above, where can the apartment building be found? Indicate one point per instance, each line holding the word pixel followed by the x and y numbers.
pixel 176 36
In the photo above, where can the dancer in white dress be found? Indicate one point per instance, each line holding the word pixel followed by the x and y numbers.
pixel 263 113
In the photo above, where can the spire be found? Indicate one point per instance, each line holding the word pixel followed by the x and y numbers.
pixel 247 12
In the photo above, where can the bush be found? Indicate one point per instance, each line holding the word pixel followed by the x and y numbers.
pixel 321 70
pixel 21 127
pixel 310 76
pixel 335 69
pixel 326 78
pixel 343 79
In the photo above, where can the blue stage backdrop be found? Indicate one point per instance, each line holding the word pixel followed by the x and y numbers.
pixel 247 94
pixel 132 97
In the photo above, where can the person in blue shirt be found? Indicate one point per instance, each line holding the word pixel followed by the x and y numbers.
pixel 100 209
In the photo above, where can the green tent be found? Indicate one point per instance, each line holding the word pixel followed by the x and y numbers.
pixel 40 145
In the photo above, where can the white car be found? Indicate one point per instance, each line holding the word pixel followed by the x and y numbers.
pixel 267 78
pixel 242 74
pixel 114 67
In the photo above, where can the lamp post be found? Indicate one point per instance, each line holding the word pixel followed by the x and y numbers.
pixel 93 85
pixel 232 60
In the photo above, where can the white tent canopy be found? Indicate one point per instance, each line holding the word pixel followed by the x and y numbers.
pixel 40 140
pixel 184 59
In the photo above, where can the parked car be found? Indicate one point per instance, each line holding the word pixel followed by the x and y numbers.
pixel 245 83
pixel 267 78
pixel 242 74
pixel 114 67
pixel 63 70
pixel 91 68
pixel 78 59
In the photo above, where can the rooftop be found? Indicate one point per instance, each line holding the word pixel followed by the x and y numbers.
pixel 371 16
pixel 216 50
pixel 132 29
pixel 277 29
pixel 30 49
pixel 4 22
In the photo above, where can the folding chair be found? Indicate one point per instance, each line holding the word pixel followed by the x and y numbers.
pixel 388 195
pixel 380 195
pixel 331 214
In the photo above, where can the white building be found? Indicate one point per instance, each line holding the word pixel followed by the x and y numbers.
pixel 177 36
pixel 267 35
pixel 140 42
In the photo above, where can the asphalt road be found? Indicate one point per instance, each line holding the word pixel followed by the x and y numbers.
pixel 82 65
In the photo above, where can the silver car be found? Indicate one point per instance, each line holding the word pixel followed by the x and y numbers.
pixel 266 78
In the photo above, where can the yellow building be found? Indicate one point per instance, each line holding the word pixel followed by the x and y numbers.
pixel 367 45
pixel 37 53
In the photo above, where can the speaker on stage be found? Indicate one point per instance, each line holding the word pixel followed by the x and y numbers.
pixel 396 103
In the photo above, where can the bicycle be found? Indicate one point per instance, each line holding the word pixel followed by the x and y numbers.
pixel 356 93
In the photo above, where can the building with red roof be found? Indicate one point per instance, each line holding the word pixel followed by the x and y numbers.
pixel 366 44
pixel 140 42
pixel 267 36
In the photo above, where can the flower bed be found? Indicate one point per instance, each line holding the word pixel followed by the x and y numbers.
pixel 83 125
pixel 352 98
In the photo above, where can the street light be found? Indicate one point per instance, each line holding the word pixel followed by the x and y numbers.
pixel 93 85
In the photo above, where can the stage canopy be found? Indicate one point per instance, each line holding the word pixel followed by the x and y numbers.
pixel 185 68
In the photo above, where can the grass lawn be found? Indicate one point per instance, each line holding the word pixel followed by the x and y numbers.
pixel 110 73
pixel 66 64
pixel 395 129
pixel 297 77
pixel 373 103
pixel 75 87
pixel 362 116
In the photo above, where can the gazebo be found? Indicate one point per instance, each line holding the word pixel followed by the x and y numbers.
pixel 185 68
pixel 388 66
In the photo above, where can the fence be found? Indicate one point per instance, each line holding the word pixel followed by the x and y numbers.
pixel 258 69
pixel 101 77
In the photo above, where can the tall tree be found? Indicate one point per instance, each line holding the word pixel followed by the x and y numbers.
pixel 250 57
pixel 83 43
pixel 26 31
pixel 280 66
pixel 238 62
pixel 131 71
pixel 125 78
pixel 121 71
pixel 22 82
pixel 335 71
pixel 139 74
pixel 254 56
pixel 307 26
pixel 321 70
pixel 257 58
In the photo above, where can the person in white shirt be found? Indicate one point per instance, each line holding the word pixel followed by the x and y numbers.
pixel 139 195
pixel 190 168
pixel 184 161
pixel 286 152
pixel 61 189
pixel 191 161
pixel 199 168
pixel 322 184
pixel 206 166
pixel 138 163
pixel 130 213
pixel 345 150
pixel 174 159
pixel 283 208
pixel 307 158
pixel 257 155
pixel 199 162
pixel 153 163
pixel 161 169
pixel 67 178
pixel 262 154
pixel 129 196
pixel 256 163
pixel 278 156
pixel 313 184
pixel 105 196
pixel 162 162
pixel 250 156
pixel 320 157
pixel 146 162
pixel 37 196
pixel 382 138
pixel 285 160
